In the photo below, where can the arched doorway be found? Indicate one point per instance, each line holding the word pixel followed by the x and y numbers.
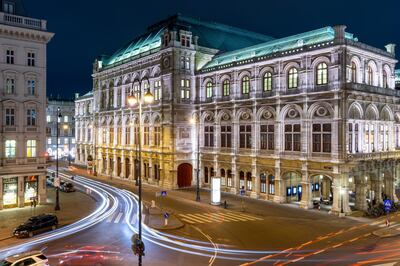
pixel 127 168
pixel 294 189
pixel 185 175
pixel 321 189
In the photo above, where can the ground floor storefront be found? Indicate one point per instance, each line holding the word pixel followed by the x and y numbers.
pixel 22 190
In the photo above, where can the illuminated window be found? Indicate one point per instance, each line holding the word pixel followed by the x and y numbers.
pixel 157 90
pixel 127 135
pixel 209 90
pixel 10 147
pixel 249 183
pixel 292 78
pixel 10 86
pixel 263 183
pixel 245 85
pixel 321 137
pixel 48 119
pixel 49 141
pixel 322 74
pixel 267 81
pixel 185 89
pixel 65 119
pixel 229 178
pixel 31 148
pixel 271 185
pixel 226 88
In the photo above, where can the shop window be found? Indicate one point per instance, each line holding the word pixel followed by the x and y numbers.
pixel 10 191
pixel 31 187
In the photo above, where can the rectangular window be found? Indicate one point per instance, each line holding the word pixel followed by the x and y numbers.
pixel 119 135
pixel 31 87
pixel 48 119
pixel 49 141
pixel 245 136
pixel 31 117
pixel 136 134
pixel 10 86
pixel 31 59
pixel 267 137
pixel 226 136
pixel 10 116
pixel 157 136
pixel 321 138
pixel 65 119
pixel 146 137
pixel 229 178
pixel 10 56
pixel 209 136
pixel 292 137
pixel 9 8
pixel 10 148
pixel 127 135
pixel 185 89
pixel 31 148
pixel 157 90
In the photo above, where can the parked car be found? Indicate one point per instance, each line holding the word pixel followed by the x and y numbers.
pixel 34 258
pixel 91 255
pixel 36 224
pixel 50 181
pixel 67 187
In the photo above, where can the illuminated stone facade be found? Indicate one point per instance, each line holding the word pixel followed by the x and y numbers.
pixel 23 42
pixel 296 119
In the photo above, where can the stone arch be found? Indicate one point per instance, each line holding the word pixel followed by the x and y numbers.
pixel 155 72
pixel 371 112
pixel 224 77
pixel 266 113
pixel 224 116
pixel 288 66
pixel 207 117
pixel 145 74
pixel 134 77
pixel 287 109
pixel 155 117
pixel 126 79
pixel 244 114
pixel 386 114
pixel 242 74
pixel 206 80
pixel 320 110
pixel 264 70
pixel 320 59
pixel 355 111
pixel 184 175
pixel 371 63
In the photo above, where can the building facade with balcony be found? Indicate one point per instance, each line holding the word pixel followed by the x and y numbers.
pixel 66 127
pixel 23 43
pixel 313 116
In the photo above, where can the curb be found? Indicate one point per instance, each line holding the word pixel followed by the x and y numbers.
pixel 386 232
pixel 167 228
pixel 6 238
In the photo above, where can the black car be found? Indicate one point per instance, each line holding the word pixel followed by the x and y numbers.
pixel 36 224
pixel 67 187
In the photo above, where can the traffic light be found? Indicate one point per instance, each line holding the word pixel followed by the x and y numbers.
pixel 137 245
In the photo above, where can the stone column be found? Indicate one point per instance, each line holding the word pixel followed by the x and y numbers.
pixel 235 177
pixel 279 184
pixel 340 195
pixel 255 193
pixel 115 172
pixel 361 193
pixel 132 168
pixel 42 199
pixel 108 172
pixel 306 197
pixel 123 166
pixel 1 193
pixel 21 192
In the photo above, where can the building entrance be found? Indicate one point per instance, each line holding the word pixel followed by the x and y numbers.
pixel 185 175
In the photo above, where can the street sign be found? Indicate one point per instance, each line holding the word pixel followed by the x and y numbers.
pixel 387 203
pixel 166 215
pixel 163 193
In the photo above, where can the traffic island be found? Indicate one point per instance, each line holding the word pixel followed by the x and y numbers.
pixel 161 220
pixel 387 232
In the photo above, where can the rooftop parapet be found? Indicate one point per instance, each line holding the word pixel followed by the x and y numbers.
pixel 25 22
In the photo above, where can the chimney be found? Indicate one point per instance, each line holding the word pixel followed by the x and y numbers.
pixel 339 32
pixel 76 95
pixel 391 48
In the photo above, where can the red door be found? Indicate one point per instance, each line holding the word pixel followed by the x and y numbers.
pixel 185 175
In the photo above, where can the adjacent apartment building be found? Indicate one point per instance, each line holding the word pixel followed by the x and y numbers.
pixel 23 42
pixel 295 119
pixel 66 128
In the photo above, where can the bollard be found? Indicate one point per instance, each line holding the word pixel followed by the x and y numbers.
pixel 153 204
pixel 165 221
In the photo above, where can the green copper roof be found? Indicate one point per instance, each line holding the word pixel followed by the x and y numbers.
pixel 211 35
pixel 277 45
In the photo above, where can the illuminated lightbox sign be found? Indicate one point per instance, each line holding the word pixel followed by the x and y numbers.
pixel 215 191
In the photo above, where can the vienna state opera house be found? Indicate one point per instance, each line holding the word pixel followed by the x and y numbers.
pixel 313 116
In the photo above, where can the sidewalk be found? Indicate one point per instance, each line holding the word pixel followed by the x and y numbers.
pixel 69 213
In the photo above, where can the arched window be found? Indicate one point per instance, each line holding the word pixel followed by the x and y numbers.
pixel 229 178
pixel 241 180
pixel 223 183
pixel 353 72
pixel 370 78
pixel 322 74
pixel 267 81
pixel 226 88
pixel 385 79
pixel 263 183
pixel 271 185
pixel 292 78
pixel 209 90
pixel 245 85
pixel 249 183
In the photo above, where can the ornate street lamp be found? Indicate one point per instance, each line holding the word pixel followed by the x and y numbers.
pixel 133 101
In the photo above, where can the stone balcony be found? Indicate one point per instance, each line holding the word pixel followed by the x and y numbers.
pixel 25 22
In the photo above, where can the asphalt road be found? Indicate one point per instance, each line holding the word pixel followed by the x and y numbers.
pixel 265 234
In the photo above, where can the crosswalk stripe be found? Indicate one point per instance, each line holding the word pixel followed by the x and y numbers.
pixel 185 220
pixel 193 220
pixel 226 218
pixel 213 218
pixel 236 217
pixel 249 216
pixel 118 218
pixel 199 217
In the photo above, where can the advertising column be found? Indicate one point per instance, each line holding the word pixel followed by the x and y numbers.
pixel 215 191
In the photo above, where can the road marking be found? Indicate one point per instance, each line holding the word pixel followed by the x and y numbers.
pixel 219 217
pixel 118 218
pixel 109 219
pixel 225 217
pixel 320 251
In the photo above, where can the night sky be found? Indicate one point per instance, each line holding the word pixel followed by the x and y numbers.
pixel 87 28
